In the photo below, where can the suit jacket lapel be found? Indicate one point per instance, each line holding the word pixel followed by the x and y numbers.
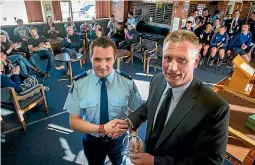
pixel 158 91
pixel 184 106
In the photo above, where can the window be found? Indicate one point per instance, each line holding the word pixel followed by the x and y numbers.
pixel 66 9
pixel 8 16
pixel 83 10
pixel 79 10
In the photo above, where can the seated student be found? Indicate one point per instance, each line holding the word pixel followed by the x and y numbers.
pixel 72 40
pixel 131 37
pixel 93 22
pixel 21 31
pixel 188 26
pixel 99 32
pixel 40 47
pixel 239 44
pixel 219 43
pixel 5 33
pixel 119 35
pixel 112 25
pixel 51 30
pixel 69 23
pixel 9 48
pixel 92 35
pixel 204 40
pixel 131 20
pixel 85 27
pixel 216 26
pixel 12 81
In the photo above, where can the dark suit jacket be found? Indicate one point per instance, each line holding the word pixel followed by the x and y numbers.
pixel 237 28
pixel 197 130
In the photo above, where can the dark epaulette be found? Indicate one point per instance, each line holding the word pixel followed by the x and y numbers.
pixel 81 75
pixel 125 75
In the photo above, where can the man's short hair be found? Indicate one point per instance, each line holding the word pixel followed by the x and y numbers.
pixel 189 22
pixel 209 23
pixel 204 9
pixel 103 42
pixel 223 26
pixel 69 27
pixel 32 28
pixel 19 20
pixel 131 13
pixel 112 15
pixel 119 23
pixel 180 36
pixel 217 19
pixel 253 12
pixel 195 10
pixel 245 24
pixel 236 11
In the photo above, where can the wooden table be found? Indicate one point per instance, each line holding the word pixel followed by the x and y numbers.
pixel 65 57
pixel 241 139
pixel 122 53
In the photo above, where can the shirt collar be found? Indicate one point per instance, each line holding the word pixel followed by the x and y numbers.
pixel 109 78
pixel 177 92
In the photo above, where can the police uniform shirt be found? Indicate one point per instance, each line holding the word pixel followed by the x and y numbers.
pixel 84 96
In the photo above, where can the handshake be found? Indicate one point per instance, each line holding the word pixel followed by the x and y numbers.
pixel 116 128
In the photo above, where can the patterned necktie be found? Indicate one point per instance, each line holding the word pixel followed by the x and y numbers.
pixel 104 117
pixel 160 119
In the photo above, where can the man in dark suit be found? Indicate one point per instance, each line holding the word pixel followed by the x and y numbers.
pixel 187 123
pixel 234 25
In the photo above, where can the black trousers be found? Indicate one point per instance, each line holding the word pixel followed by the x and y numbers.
pixel 96 149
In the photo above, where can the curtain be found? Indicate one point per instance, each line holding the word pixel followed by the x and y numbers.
pixel 34 11
pixel 103 9
pixel 57 10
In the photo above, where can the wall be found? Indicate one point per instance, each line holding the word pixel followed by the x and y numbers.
pixel 47 9
pixel 178 12
pixel 8 14
pixel 117 9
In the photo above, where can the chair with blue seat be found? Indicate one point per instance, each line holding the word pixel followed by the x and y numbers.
pixel 143 50
pixel 155 61
pixel 23 101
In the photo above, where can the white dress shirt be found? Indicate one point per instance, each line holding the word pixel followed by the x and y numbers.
pixel 177 94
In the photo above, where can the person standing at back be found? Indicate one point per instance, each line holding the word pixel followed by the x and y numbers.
pixel 97 100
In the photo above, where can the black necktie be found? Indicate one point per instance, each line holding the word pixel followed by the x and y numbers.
pixel 160 119
pixel 104 117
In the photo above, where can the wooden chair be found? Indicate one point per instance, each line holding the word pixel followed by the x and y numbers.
pixel 144 50
pixel 155 61
pixel 24 101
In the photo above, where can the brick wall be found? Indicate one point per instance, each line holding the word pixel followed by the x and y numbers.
pixel 245 9
pixel 178 12
pixel 222 6
pixel 117 9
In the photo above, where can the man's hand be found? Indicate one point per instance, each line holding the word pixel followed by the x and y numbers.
pixel 14 45
pixel 125 30
pixel 201 36
pixel 208 38
pixel 244 46
pixel 16 70
pixel 40 45
pixel 116 126
pixel 68 40
pixel 142 159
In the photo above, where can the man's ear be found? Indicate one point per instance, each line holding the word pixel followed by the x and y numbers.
pixel 197 60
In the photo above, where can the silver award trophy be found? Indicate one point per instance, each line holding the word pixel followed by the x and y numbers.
pixel 132 144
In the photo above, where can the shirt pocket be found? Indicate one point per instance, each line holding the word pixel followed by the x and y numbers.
pixel 90 110
pixel 118 108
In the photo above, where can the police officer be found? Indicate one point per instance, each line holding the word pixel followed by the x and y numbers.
pixel 97 100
